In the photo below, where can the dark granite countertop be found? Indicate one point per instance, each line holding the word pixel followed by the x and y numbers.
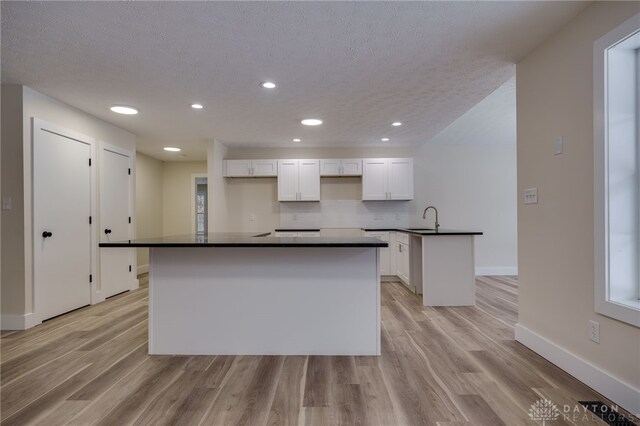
pixel 425 232
pixel 237 239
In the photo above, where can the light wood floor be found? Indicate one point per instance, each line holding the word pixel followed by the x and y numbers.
pixel 445 366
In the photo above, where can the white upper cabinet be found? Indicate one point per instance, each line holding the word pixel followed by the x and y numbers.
pixel 298 180
pixel 375 184
pixel 400 178
pixel 250 168
pixel 344 167
pixel 387 179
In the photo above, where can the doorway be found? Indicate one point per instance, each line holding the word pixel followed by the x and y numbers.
pixel 199 204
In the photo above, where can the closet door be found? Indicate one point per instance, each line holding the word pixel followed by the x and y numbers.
pixel 61 212
pixel 116 264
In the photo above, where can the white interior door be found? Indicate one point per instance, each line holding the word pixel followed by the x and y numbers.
pixel 61 228
pixel 116 270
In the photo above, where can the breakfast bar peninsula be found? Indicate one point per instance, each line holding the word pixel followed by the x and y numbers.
pixel 254 294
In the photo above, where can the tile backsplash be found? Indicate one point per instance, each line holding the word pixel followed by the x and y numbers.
pixel 344 214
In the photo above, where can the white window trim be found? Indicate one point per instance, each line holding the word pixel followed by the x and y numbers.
pixel 603 305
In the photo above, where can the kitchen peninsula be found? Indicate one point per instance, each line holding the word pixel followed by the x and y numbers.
pixel 253 294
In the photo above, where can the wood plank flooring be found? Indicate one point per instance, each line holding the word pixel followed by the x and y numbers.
pixel 439 366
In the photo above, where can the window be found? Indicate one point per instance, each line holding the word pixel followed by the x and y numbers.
pixel 617 172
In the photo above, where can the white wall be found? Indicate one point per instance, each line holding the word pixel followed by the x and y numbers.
pixel 148 204
pixel 17 284
pixel 176 195
pixel 473 187
pixel 556 236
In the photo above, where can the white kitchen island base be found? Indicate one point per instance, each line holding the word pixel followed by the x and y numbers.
pixel 448 270
pixel 264 301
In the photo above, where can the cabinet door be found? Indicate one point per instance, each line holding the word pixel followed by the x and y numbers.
pixel 329 167
pixel 384 252
pixel 287 180
pixel 286 234
pixel 237 168
pixel 351 167
pixel 264 168
pixel 309 180
pixel 403 263
pixel 400 178
pixel 308 234
pixel 393 269
pixel 374 179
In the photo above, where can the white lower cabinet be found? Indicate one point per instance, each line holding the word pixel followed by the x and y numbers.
pixel 403 256
pixel 384 252
pixel 297 234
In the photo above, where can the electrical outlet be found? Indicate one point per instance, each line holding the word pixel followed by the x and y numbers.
pixel 594 331
pixel 531 196
pixel 397 216
pixel 6 203
pixel 295 217
pixel 378 216
pixel 252 218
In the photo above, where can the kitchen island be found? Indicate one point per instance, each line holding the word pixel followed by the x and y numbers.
pixel 253 294
pixel 441 264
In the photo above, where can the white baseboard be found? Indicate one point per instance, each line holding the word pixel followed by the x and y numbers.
pixel 18 322
pixel 616 390
pixel 143 269
pixel 496 270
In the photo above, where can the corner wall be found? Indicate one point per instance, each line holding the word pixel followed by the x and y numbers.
pixel 556 236
pixel 176 195
pixel 13 289
pixel 19 286
pixel 148 204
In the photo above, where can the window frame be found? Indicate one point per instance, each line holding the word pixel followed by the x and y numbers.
pixel 626 311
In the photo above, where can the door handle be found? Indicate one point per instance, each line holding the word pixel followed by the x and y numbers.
pixel 107 231
pixel 46 234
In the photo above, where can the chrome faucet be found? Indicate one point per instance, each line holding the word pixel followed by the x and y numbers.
pixel 424 215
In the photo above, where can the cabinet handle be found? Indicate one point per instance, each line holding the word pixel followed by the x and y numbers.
pixel 400 248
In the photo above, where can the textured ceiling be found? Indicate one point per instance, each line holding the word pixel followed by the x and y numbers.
pixel 356 65
pixel 492 121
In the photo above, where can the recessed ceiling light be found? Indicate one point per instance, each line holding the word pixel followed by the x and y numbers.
pixel 296 140
pixel 172 149
pixel 384 139
pixel 196 106
pixel 268 85
pixel 123 109
pixel 396 124
pixel 311 122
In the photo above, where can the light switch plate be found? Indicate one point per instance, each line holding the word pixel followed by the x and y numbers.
pixel 6 203
pixel 531 196
pixel 558 145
